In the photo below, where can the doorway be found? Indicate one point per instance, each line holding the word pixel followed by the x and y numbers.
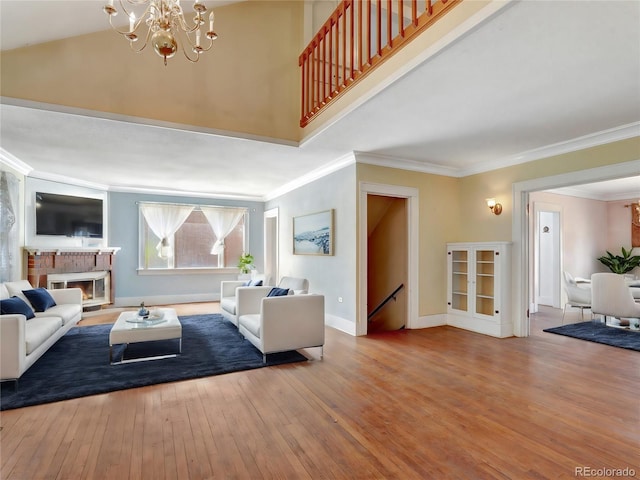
pixel 271 247
pixel 387 252
pixel 392 211
pixel 521 257
pixel 547 255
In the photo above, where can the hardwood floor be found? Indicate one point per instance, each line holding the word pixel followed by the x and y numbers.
pixel 435 403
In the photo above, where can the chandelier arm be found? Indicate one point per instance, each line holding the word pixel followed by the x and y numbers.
pixel 146 41
pixel 192 44
pixel 208 48
pixel 136 25
pixel 184 51
pixel 179 26
pixel 182 23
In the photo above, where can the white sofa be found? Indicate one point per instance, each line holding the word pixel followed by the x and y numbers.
pixel 23 341
pixel 279 324
pixel 229 290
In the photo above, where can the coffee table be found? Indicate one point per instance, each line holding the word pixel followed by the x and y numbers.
pixel 163 324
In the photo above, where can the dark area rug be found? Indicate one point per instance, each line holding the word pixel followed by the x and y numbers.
pixel 600 333
pixel 78 364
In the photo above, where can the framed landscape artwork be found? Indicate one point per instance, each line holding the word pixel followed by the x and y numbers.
pixel 313 234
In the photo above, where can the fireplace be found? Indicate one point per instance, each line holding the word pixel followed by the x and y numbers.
pixel 94 286
pixel 90 269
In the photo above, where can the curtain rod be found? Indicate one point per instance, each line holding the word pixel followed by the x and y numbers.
pixel 190 205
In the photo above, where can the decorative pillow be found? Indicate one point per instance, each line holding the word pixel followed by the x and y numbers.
pixel 40 299
pixel 278 292
pixel 252 283
pixel 16 305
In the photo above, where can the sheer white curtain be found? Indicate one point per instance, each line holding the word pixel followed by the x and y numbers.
pixel 164 221
pixel 222 221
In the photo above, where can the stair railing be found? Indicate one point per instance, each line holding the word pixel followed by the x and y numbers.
pixel 390 297
pixel 357 37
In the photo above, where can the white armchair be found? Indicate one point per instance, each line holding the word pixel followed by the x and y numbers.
pixel 229 297
pixel 278 324
pixel 612 297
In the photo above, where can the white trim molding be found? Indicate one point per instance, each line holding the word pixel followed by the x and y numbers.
pixel 405 164
pixel 312 176
pixel 339 323
pixel 14 162
pixel 520 228
pixel 611 135
pixel 411 195
pixel 429 321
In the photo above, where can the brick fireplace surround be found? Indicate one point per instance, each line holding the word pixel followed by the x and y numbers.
pixel 45 261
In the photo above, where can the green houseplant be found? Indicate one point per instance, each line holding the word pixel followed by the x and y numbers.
pixel 245 264
pixel 621 263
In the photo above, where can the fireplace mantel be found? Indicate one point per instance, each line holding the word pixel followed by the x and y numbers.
pixel 61 250
pixel 43 262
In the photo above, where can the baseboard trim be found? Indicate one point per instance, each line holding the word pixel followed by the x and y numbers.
pixel 166 299
pixel 480 326
pixel 340 323
pixel 429 321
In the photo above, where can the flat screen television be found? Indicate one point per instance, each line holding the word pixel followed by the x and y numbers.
pixel 68 215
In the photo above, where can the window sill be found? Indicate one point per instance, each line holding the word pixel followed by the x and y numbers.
pixel 188 271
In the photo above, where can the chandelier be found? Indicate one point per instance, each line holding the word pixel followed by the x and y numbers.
pixel 164 22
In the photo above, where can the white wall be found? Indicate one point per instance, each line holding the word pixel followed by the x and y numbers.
pixel 132 286
pixel 589 229
pixel 584 232
pixel 33 185
pixel 332 276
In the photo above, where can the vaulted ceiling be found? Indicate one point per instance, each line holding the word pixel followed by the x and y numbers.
pixel 533 78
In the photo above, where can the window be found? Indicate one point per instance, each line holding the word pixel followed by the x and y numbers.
pixel 175 236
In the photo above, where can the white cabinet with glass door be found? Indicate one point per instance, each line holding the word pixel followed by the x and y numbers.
pixel 478 287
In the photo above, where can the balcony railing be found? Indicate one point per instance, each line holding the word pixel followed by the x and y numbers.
pixel 358 36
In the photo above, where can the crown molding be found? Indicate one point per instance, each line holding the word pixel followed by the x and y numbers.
pixel 405 164
pixel 591 175
pixel 334 166
pixel 580 193
pixel 182 193
pixel 616 134
pixel 13 162
pixel 611 135
pixel 54 177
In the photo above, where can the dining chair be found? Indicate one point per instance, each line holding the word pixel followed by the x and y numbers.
pixel 612 297
pixel 577 296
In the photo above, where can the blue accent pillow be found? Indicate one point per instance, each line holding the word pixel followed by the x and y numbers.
pixel 16 305
pixel 278 292
pixel 40 299
pixel 252 283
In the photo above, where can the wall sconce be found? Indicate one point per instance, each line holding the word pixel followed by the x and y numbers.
pixel 496 208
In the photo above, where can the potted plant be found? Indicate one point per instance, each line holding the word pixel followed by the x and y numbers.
pixel 621 263
pixel 245 264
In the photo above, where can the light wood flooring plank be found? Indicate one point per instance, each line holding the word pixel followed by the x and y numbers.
pixel 433 403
